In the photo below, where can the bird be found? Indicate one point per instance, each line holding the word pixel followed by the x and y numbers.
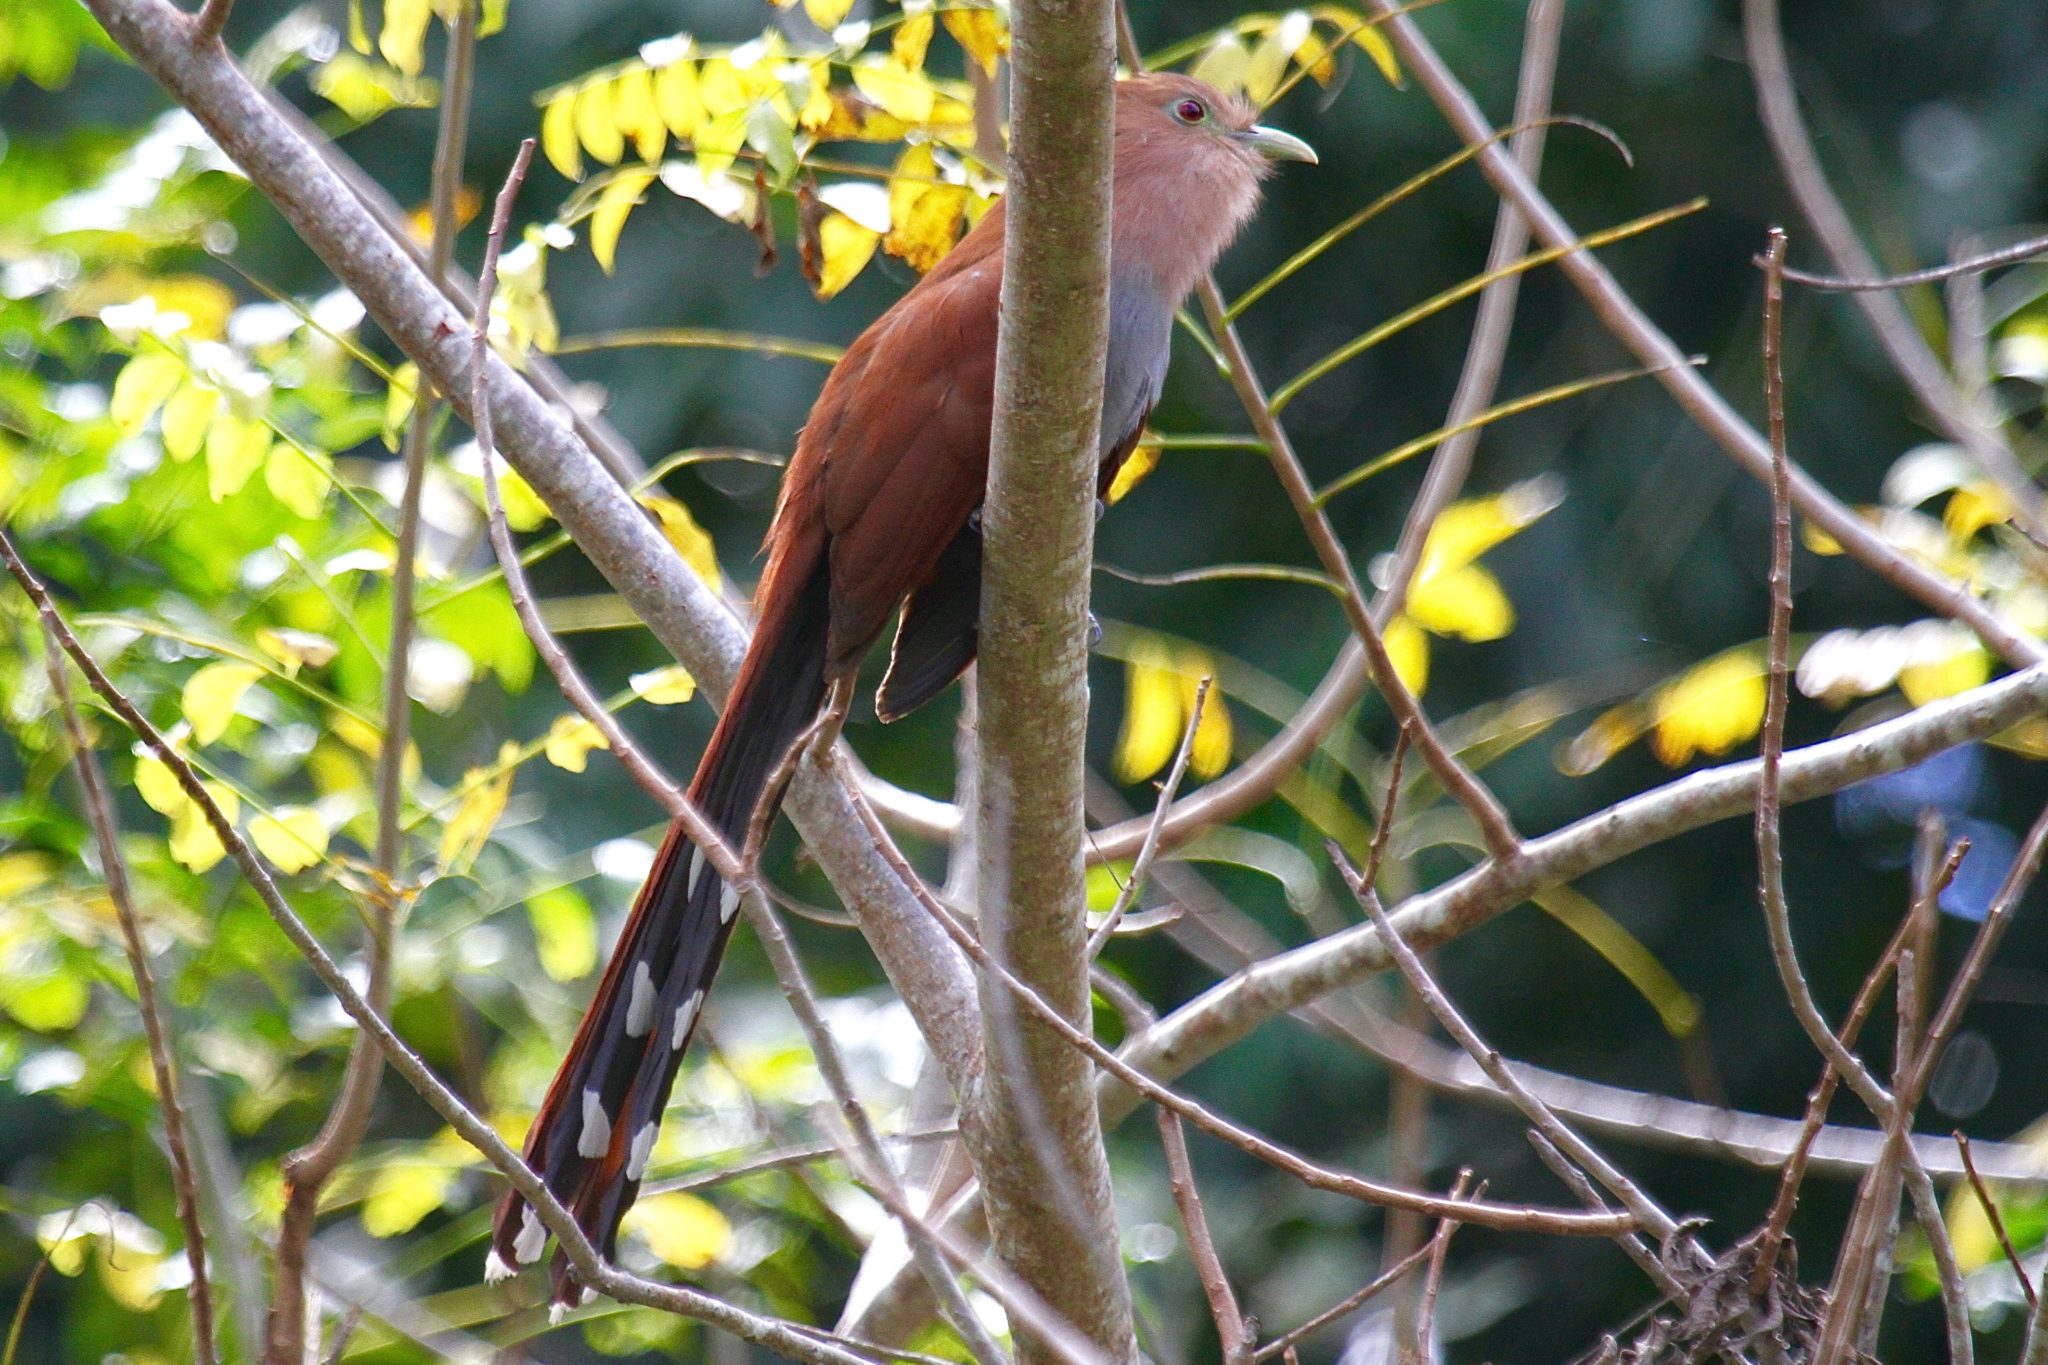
pixel 878 517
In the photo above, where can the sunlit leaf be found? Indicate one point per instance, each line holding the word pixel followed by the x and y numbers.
pixel 1817 540
pixel 681 1229
pixel 46 1002
pixel 398 401
pixel 155 784
pixel 564 933
pixel 23 872
pixel 1466 601
pixel 912 38
pixel 1224 63
pixel 718 142
pixel 1408 647
pixel 193 842
pixel 558 135
pixel 597 125
pixel 1470 527
pixel 292 837
pixel 570 740
pixel 187 416
pixel 1152 713
pixel 300 479
pixel 402 1192
pixel 608 219
pixel 690 540
pixel 401 40
pixel 130 1267
pixel 845 248
pixel 924 234
pixel 212 695
pixel 827 14
pixel 1932 680
pixel 676 98
pixel 150 377
pixel 478 812
pixel 363 89
pixel 906 95
pixel 981 33
pixel 668 686
pixel 1268 63
pixel 1710 708
pixel 1974 506
pixel 235 449
pixel 638 116
pixel 296 649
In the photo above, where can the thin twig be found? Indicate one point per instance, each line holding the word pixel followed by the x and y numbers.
pixel 1502 1217
pixel 212 19
pixel 1433 1280
pixel 1285 1344
pixel 1150 848
pixel 1631 1244
pixel 99 807
pixel 2018 252
pixel 803 1344
pixel 1997 1221
pixel 1231 1329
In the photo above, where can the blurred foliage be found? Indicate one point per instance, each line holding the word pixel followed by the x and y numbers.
pixel 197 438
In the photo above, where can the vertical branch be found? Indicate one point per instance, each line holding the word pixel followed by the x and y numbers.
pixel 1231 1328
pixel 1037 1130
pixel 308 1169
pixel 99 809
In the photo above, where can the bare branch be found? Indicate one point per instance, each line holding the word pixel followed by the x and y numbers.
pixel 1991 1214
pixel 99 810
pixel 1284 1345
pixel 1150 848
pixel 212 19
pixel 2020 251
pixel 1231 1329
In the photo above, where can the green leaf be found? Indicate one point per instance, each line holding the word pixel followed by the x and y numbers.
pixel 564 933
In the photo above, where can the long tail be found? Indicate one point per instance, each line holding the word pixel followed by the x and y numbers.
pixel 595 1129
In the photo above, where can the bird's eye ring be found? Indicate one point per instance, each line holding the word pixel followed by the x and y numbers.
pixel 1190 111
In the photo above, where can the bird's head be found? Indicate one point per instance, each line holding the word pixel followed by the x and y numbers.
pixel 1189 160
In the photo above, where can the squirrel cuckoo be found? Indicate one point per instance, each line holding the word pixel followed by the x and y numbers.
pixel 877 513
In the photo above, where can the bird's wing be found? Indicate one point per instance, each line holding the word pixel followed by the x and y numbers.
pixel 902 455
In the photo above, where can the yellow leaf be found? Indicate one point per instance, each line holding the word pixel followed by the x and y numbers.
pixel 293 837
pixel 597 126
pixel 193 842
pixel 690 540
pixel 403 1192
pixel 1710 708
pixel 1928 681
pixel 1472 526
pixel 911 40
pixel 676 99
pixel 1466 602
pixel 681 1229
pixel 204 303
pixel 140 389
pixel 827 14
pixel 187 416
pixel 524 510
pixel 665 686
pixel 718 142
pixel 1611 732
pixel 1224 64
pixel 558 135
pixel 363 89
pixel 296 649
pixel 1969 509
pixel 570 740
pixel 720 88
pixel 130 1273
pixel 1268 64
pixel 1153 715
pixel 155 784
pixel 564 933
pixel 907 95
pixel 52 1002
pixel 22 872
pixel 980 33
pixel 402 40
pixel 211 695
pixel 1143 460
pixel 924 235
pixel 1210 753
pixel 608 219
pixel 298 478
pixel 845 248
pixel 477 814
pixel 235 448
pixel 1817 540
pixel 637 114
pixel 1382 53
pixel 1408 647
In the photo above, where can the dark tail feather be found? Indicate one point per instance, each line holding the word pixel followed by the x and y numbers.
pixel 592 1136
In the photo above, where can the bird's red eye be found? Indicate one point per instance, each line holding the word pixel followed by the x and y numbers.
pixel 1191 111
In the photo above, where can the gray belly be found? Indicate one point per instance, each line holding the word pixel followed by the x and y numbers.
pixel 1140 336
